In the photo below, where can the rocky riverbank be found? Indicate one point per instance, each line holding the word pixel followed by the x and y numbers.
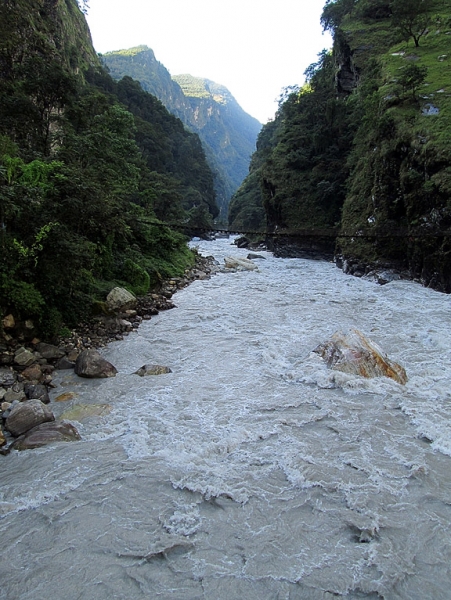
pixel 27 365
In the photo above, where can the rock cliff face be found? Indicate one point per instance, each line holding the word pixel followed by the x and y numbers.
pixel 227 132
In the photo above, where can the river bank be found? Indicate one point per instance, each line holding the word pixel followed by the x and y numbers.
pixel 252 470
pixel 27 368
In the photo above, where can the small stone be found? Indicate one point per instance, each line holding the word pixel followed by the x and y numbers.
pixel 29 324
pixel 253 256
pixel 64 364
pixel 2 393
pixel 5 406
pixel 152 370
pixel 6 358
pixel 73 355
pixel 37 392
pixel 7 377
pixel 24 357
pixel 32 373
pixel 12 396
pixel 9 322
pixel 2 438
pixel 49 351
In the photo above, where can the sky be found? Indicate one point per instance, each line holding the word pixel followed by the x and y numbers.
pixel 255 48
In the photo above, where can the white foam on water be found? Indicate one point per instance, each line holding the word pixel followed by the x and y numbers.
pixel 286 478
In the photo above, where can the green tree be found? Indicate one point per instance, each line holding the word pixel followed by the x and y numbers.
pixel 412 77
pixel 412 18
pixel 334 12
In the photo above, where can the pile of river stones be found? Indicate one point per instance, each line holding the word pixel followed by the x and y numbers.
pixel 27 366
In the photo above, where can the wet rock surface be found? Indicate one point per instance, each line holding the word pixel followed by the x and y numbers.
pixel 26 415
pixel 358 355
pixel 46 433
pixel 146 370
pixel 92 365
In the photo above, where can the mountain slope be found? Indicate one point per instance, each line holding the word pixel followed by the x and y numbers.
pixel 363 148
pixel 227 132
pixel 89 169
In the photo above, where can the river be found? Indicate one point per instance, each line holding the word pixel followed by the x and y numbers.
pixel 251 471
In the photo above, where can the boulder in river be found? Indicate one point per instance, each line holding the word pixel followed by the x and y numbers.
pixel 356 354
pixel 236 262
pixel 252 256
pixel 46 433
pixel 152 370
pixel 91 364
pixel 26 415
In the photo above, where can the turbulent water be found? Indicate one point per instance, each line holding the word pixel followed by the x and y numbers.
pixel 251 471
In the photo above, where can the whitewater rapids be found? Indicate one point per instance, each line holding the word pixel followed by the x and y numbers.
pixel 251 472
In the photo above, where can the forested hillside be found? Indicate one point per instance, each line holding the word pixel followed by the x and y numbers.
pixel 363 147
pixel 89 169
pixel 227 132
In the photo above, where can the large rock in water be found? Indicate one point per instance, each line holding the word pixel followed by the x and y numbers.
pixel 91 364
pixel 26 415
pixel 356 354
pixel 236 262
pixel 121 299
pixel 46 433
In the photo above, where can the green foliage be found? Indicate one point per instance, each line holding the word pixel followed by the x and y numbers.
pixel 227 133
pixel 372 156
pixel 412 18
pixel 302 179
pixel 137 277
pixel 334 12
pixel 86 167
pixel 412 78
pixel 21 297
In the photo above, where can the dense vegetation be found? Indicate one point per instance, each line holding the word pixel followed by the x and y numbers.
pixel 89 170
pixel 228 134
pixel 364 145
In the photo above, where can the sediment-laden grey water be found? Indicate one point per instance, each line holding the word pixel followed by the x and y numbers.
pixel 251 471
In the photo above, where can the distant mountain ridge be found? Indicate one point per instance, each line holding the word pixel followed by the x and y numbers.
pixel 227 132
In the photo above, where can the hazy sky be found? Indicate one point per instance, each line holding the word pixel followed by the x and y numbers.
pixel 253 47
